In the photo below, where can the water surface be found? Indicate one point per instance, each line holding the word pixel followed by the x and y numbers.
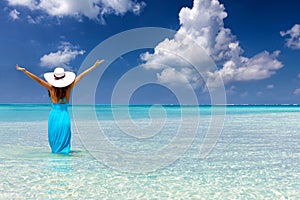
pixel 256 157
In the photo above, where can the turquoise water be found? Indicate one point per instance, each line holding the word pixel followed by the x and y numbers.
pixel 257 155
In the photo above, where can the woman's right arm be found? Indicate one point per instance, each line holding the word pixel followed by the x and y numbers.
pixel 34 77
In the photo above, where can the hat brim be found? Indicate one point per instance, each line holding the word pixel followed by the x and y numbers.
pixel 64 82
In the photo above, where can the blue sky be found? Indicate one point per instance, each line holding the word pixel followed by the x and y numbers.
pixel 254 44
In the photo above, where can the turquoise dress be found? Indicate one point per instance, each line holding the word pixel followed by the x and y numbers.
pixel 59 127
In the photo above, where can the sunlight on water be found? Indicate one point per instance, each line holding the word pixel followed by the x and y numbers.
pixel 257 157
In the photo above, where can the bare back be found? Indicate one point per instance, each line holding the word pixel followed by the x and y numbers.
pixel 55 99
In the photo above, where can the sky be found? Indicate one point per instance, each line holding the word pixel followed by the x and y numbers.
pixel 248 48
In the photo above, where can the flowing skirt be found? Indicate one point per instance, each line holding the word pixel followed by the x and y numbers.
pixel 59 129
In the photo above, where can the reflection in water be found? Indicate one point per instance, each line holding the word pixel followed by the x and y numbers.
pixel 59 168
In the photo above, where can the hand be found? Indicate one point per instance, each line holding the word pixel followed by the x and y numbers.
pixel 20 68
pixel 98 62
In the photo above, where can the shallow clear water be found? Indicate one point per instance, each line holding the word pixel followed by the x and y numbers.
pixel 256 157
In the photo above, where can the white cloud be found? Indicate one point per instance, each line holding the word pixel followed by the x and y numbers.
pixel 14 14
pixel 66 53
pixel 231 90
pixel 35 20
pixel 271 86
pixel 61 8
pixel 293 37
pixel 297 92
pixel 204 25
pixel 92 9
pixel 167 56
pixel 244 94
pixel 259 93
pixel 120 7
pixel 31 4
pixel 169 75
pixel 260 66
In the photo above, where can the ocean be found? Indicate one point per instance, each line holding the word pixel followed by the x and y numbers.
pixel 153 152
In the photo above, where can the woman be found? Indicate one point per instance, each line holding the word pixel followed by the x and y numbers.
pixel 59 85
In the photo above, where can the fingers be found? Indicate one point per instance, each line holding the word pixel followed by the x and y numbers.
pixel 99 61
pixel 19 68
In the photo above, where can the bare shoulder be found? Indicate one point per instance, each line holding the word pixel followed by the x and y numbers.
pixel 51 93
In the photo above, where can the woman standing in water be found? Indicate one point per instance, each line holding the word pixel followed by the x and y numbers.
pixel 59 85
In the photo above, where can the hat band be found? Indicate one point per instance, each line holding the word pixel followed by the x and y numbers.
pixel 61 77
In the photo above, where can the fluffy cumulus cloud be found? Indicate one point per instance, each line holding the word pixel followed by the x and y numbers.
pixel 62 58
pixel 260 66
pixel 92 9
pixel 120 7
pixel 203 24
pixel 293 37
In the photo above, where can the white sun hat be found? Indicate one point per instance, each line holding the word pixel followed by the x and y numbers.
pixel 59 78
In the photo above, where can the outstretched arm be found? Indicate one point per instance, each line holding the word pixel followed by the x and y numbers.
pixel 80 76
pixel 34 77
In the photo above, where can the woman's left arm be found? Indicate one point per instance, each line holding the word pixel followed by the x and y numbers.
pixel 80 76
pixel 34 77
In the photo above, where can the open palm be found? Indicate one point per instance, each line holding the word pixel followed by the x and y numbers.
pixel 19 68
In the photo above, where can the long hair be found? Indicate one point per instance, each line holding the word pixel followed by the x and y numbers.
pixel 60 92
